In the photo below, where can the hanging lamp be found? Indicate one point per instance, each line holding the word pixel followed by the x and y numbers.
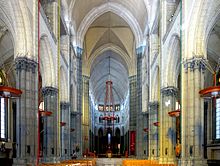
pixel 176 112
pixel 42 112
pixel 212 91
pixel 109 101
pixel 108 118
pixel 9 92
pixel 45 113
pixel 72 130
pixel 62 124
pixel 157 124
pixel 145 129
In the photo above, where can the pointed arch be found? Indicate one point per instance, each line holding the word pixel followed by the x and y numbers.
pixel 46 62
pixel 115 49
pixel 173 60
pixel 210 23
pixel 23 30
pixel 114 8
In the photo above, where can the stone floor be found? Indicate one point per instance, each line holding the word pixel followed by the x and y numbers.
pixel 109 162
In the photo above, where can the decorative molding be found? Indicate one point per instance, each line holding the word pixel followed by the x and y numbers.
pixel 195 63
pixel 24 63
pixel 169 91
pixel 171 25
pixel 64 105
pixel 140 51
pixel 79 52
pixel 47 23
pixel 85 78
pixel 49 91
pixel 132 78
pixel 153 106
pixel 3 31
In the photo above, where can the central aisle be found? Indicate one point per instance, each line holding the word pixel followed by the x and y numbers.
pixel 109 162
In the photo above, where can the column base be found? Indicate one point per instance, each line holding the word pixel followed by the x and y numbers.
pixel 50 160
pixel 65 158
pixel 24 162
pixel 154 158
pixel 141 157
pixel 192 162
pixel 167 160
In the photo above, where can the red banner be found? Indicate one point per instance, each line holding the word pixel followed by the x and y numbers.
pixel 132 142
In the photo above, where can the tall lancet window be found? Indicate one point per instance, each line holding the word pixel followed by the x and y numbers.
pixel 3 119
pixel 217 123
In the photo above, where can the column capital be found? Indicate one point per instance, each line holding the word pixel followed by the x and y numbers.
pixel 169 91
pixel 24 63
pixel 79 51
pixel 132 78
pixel 153 105
pixel 140 50
pixel 86 78
pixel 49 91
pixel 74 114
pixel 64 105
pixel 195 63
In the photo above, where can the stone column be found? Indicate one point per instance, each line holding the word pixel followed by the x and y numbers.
pixel 167 125
pixel 192 134
pixel 85 113
pixel 27 111
pixel 132 106
pixel 72 133
pixel 145 134
pixel 79 99
pixel 75 136
pixel 153 140
pixel 139 119
pixel 65 130
pixel 51 152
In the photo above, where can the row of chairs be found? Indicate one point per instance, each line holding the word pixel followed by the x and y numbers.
pixel 143 163
pixel 88 162
pixel 60 164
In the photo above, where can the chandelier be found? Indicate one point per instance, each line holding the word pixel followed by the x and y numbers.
pixel 109 106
